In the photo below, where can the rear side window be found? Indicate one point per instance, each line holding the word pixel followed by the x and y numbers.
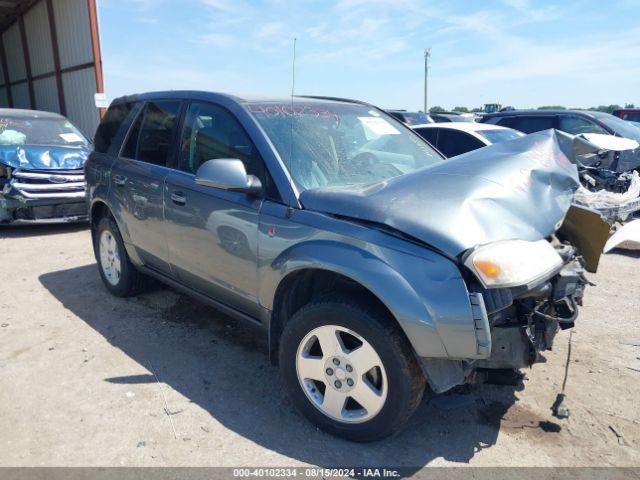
pixel 452 142
pixel 528 124
pixel 153 132
pixel 110 125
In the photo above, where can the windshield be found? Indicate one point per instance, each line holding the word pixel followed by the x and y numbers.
pixel 18 131
pixel 497 136
pixel 335 144
pixel 619 126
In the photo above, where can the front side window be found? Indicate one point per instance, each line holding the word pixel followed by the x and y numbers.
pixel 211 132
pixel 151 136
pixel 42 131
pixel 576 125
pixel 331 144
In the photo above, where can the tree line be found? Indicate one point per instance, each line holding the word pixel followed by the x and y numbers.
pixel 599 108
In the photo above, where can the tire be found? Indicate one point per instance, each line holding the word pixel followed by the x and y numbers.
pixel 120 277
pixel 398 383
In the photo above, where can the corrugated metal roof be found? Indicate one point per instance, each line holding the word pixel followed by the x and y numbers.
pixel 11 9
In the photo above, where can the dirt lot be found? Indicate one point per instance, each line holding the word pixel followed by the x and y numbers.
pixel 88 379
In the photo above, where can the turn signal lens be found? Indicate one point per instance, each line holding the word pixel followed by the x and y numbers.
pixel 512 263
pixel 488 269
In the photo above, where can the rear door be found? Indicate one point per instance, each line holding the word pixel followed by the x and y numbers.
pixel 138 178
pixel 212 234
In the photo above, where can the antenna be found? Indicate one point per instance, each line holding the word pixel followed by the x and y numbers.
pixel 293 88
pixel 293 71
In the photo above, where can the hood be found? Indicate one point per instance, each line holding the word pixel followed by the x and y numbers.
pixel 36 157
pixel 520 189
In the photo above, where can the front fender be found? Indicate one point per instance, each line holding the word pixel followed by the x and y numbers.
pixel 427 296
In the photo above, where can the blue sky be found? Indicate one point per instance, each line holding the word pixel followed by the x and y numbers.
pixel 517 52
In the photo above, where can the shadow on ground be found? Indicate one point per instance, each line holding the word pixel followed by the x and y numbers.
pixel 626 252
pixel 37 230
pixel 222 366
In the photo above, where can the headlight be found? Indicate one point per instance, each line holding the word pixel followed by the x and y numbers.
pixel 512 263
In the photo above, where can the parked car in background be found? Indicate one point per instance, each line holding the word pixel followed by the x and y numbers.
pixel 628 114
pixel 411 118
pixel 445 117
pixel 574 122
pixel 337 229
pixel 456 138
pixel 42 156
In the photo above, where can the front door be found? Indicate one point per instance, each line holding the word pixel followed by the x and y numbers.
pixel 138 178
pixel 212 234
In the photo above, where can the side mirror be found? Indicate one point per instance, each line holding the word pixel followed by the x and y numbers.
pixel 228 174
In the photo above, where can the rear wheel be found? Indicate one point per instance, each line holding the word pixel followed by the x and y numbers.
pixel 118 273
pixel 350 370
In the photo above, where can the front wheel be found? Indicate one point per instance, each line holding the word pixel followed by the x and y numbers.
pixel 350 370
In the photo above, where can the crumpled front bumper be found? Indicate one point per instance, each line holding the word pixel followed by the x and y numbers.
pixel 43 196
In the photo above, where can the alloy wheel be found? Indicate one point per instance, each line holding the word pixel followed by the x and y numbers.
pixel 341 374
pixel 110 257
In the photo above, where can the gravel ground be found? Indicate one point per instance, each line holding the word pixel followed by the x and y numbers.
pixel 87 379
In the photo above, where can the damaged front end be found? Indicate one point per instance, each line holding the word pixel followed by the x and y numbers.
pixel 50 190
pixel 506 215
pixel 525 320
pixel 609 173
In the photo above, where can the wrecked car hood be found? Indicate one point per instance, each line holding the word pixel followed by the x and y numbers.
pixel 36 157
pixel 606 151
pixel 519 189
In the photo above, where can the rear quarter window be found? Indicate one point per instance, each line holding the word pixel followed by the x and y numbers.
pixel 110 125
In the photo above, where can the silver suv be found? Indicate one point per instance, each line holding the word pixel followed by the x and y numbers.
pixel 374 267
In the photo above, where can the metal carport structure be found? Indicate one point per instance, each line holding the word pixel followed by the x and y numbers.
pixel 50 58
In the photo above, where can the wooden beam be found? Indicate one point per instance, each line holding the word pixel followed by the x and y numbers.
pixel 95 42
pixel 27 61
pixel 56 58
pixel 5 69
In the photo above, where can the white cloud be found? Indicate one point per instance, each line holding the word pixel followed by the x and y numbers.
pixel 511 50
pixel 217 39
pixel 271 29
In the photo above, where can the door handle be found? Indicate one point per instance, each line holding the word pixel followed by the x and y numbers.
pixel 119 180
pixel 178 198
